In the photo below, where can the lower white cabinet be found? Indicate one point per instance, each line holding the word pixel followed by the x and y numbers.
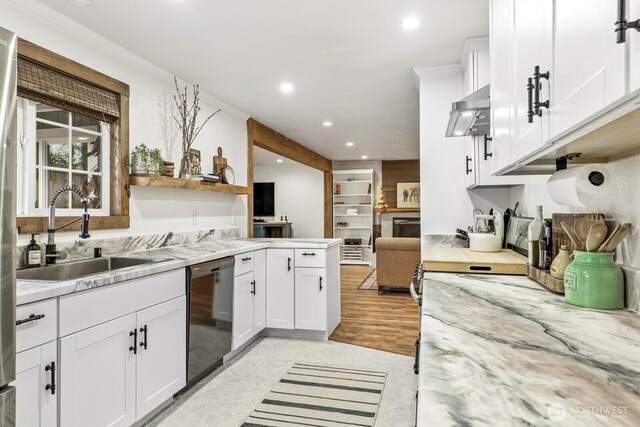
pixel 280 288
pixel 36 386
pixel 249 301
pixel 97 375
pixel 115 373
pixel 161 360
pixel 311 299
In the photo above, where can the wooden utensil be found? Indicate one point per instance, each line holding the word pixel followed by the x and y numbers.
pixel 621 233
pixel 608 239
pixel 583 225
pixel 219 162
pixel 597 235
pixel 575 241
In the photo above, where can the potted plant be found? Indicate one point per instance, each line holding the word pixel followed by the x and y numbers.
pixel 146 161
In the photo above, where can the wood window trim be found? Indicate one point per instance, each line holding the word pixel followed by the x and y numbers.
pixel 119 150
pixel 264 137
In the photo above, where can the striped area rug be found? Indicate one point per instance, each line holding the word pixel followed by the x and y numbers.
pixel 317 395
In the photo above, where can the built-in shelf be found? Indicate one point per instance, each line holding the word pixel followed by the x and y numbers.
pixel 351 216
pixel 187 184
pixel 368 205
pixel 352 228
pixel 383 210
pixel 349 195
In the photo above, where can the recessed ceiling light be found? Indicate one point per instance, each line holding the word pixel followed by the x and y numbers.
pixel 365 157
pixel 327 123
pixel 467 114
pixel 458 133
pixel 286 87
pixel 349 144
pixel 279 160
pixel 410 23
pixel 82 3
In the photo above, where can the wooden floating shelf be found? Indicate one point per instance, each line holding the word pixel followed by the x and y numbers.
pixel 187 184
pixel 382 210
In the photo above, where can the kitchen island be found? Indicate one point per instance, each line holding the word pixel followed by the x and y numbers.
pixel 502 351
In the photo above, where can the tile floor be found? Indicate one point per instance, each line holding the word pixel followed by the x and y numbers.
pixel 228 396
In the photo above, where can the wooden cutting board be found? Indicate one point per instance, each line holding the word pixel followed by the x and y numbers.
pixel 464 260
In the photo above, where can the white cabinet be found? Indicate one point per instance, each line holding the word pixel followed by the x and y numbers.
pixel 280 288
pixel 242 309
pixel 469 162
pixel 249 300
pixel 589 66
pixel 532 47
pixel 500 48
pixel 115 373
pixel 259 291
pixel 97 375
pixel 36 386
pixel 633 39
pixel 161 356
pixel 311 299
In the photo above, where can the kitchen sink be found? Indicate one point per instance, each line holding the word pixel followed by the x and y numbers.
pixel 76 269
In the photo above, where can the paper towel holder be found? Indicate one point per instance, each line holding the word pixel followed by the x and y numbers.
pixel 561 162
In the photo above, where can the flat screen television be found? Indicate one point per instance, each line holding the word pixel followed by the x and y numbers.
pixel 264 199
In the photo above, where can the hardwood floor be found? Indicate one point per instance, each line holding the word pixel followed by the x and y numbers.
pixel 386 322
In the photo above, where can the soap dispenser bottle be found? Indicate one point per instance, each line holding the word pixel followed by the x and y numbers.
pixel 33 254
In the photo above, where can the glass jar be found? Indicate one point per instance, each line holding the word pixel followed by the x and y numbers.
pixel 593 280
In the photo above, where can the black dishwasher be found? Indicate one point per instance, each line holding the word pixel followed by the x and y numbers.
pixel 210 314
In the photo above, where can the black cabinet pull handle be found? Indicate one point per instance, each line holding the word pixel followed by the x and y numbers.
pixel 487 138
pixel 134 347
pixel 320 282
pixel 246 259
pixel 467 165
pixel 529 100
pixel 537 105
pixel 31 318
pixel 622 25
pixel 416 364
pixel 308 254
pixel 289 264
pixel 144 343
pixel 253 287
pixel 52 385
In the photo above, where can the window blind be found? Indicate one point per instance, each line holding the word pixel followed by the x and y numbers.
pixel 42 84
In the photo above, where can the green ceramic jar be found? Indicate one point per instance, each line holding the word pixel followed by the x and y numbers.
pixel 593 280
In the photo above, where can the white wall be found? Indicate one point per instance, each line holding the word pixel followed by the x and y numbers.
pixel 446 203
pixel 152 209
pixel 299 193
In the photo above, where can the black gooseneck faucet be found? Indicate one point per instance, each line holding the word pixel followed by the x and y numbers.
pixel 51 254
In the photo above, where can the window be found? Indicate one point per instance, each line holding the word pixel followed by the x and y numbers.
pixel 74 130
pixel 59 148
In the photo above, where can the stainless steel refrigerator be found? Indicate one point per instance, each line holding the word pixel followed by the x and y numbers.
pixel 8 141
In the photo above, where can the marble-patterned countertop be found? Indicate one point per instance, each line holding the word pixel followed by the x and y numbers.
pixel 502 351
pixel 175 257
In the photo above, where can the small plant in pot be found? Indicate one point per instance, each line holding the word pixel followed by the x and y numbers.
pixel 146 161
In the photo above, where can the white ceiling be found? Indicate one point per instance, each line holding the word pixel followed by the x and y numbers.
pixel 350 61
pixel 263 157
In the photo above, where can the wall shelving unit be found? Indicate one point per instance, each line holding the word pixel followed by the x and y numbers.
pixel 356 192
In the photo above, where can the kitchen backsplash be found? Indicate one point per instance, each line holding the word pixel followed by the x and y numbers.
pixel 79 248
pixel 622 205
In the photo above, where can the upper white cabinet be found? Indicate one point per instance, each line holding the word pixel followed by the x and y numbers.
pixel 532 47
pixel 500 52
pixel 633 39
pixel 589 66
pixel 280 291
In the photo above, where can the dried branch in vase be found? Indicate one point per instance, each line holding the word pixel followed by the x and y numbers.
pixel 187 121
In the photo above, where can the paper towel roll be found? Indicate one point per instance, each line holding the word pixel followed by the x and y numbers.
pixel 579 186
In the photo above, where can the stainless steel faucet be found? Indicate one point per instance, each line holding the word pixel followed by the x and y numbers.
pixel 51 254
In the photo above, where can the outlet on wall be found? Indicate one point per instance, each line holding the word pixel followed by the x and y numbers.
pixel 195 217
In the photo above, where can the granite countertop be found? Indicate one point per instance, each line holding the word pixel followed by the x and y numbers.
pixel 175 257
pixel 501 350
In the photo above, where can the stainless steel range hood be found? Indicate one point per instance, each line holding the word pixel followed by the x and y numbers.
pixel 470 116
